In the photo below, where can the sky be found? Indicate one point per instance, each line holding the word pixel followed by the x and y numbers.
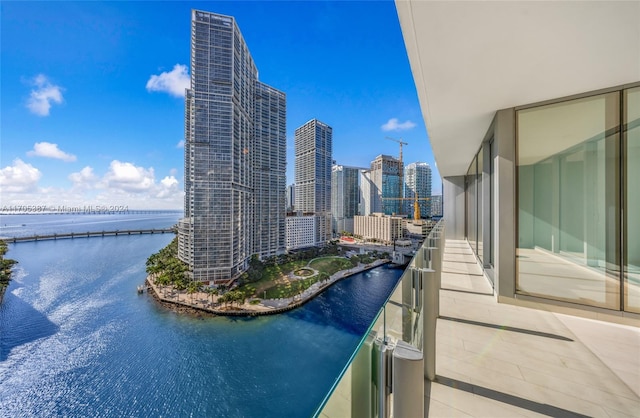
pixel 92 93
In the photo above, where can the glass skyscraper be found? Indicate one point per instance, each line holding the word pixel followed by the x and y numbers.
pixel 386 189
pixel 235 144
pixel 269 170
pixel 345 197
pixel 417 182
pixel 313 147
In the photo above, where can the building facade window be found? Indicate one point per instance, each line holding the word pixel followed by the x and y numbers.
pixel 631 242
pixel 569 200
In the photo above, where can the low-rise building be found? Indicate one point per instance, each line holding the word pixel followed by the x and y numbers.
pixel 418 229
pixel 301 231
pixel 379 227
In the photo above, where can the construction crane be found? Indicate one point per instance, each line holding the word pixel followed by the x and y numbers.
pixel 416 205
pixel 400 169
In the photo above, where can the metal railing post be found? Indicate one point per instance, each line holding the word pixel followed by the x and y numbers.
pixel 430 316
pixel 408 381
pixel 436 265
pixel 381 364
pixel 410 302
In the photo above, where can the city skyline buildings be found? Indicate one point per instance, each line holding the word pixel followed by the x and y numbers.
pixel 417 183
pixel 235 160
pixel 313 159
pixel 269 165
pixel 345 197
pixel 81 159
pixel 385 185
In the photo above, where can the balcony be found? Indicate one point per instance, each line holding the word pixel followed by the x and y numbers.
pixel 491 359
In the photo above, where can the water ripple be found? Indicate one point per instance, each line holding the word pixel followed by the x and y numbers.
pixel 77 340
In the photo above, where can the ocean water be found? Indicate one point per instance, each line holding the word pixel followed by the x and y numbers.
pixel 77 340
pixel 44 224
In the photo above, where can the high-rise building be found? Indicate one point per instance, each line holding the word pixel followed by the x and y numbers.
pixel 291 197
pixel 417 183
pixel 269 170
pixel 386 188
pixel 345 197
pixel 366 193
pixel 235 147
pixel 436 205
pixel 313 145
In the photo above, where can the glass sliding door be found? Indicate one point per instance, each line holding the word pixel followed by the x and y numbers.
pixel 472 213
pixel 479 208
pixel 569 226
pixel 631 174
pixel 492 221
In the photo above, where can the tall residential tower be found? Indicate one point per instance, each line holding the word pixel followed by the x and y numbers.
pixel 345 197
pixel 385 186
pixel 235 147
pixel 417 183
pixel 313 145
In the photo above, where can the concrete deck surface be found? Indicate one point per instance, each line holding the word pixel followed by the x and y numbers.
pixel 502 360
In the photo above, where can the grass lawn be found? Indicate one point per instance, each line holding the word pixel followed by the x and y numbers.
pixel 276 284
pixel 287 290
pixel 271 275
pixel 331 265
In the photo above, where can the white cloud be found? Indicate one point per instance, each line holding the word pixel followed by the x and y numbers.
pixel 394 125
pixel 49 150
pixel 43 95
pixel 19 177
pixel 168 187
pixel 129 178
pixel 84 177
pixel 180 144
pixel 173 82
pixel 124 184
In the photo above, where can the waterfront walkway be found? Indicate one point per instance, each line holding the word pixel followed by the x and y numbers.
pixel 503 360
pixel 203 302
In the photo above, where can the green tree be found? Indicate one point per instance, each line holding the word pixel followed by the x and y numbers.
pixel 211 291
pixel 193 287
pixel 5 267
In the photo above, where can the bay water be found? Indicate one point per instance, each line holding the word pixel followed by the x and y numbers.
pixel 77 340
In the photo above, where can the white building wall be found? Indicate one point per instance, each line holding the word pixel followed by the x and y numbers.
pixel 379 227
pixel 301 231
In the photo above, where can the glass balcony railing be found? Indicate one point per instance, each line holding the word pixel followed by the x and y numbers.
pixel 376 372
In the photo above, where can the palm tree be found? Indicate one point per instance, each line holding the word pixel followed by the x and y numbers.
pixel 211 291
pixel 239 297
pixel 163 280
pixel 225 299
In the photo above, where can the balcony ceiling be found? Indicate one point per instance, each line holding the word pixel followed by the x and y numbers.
pixel 472 58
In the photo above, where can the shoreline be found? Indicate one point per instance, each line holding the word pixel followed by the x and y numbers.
pixel 203 308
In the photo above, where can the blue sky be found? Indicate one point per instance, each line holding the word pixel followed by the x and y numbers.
pixel 92 111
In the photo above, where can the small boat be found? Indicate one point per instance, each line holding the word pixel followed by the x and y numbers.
pixel 140 289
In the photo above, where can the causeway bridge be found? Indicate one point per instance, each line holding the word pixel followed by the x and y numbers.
pixel 72 235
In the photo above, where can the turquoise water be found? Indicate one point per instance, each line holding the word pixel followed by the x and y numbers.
pixel 77 340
